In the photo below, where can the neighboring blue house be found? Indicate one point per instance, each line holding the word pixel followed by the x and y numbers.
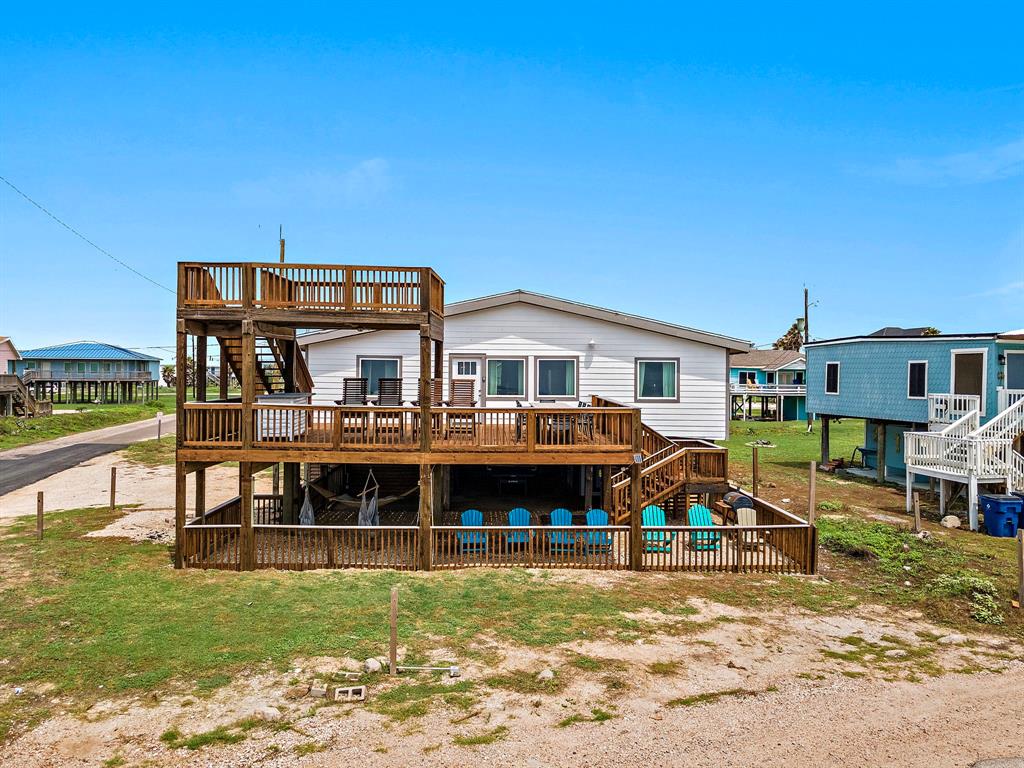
pixel 955 386
pixel 86 371
pixel 772 379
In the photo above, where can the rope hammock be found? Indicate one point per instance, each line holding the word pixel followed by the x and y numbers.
pixel 354 502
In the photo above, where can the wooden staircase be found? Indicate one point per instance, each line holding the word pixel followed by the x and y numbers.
pixel 668 469
pixel 22 401
pixel 270 364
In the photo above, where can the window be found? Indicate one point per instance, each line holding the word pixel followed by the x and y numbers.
pixel 556 378
pixel 656 379
pixel 748 377
pixel 917 379
pixel 770 377
pixel 506 378
pixel 831 378
pixel 465 368
pixel 373 369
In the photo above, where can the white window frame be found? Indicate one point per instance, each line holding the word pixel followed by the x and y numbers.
pixel 925 364
pixel 574 395
pixel 487 376
pixel 636 380
pixel 983 351
pixel 839 376
pixel 1006 377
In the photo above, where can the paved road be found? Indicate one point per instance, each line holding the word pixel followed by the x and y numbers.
pixel 31 463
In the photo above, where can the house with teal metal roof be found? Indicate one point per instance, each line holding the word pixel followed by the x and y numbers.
pixel 88 371
pixel 946 407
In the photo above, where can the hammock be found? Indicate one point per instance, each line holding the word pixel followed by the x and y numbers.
pixel 355 502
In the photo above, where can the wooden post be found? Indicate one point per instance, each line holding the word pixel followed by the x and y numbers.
pixel 917 512
pixel 426 389
pixel 636 525
pixel 223 375
pixel 880 442
pixel 606 490
pixel 425 516
pixel 179 514
pixel 588 487
pixel 825 448
pixel 181 393
pixel 39 515
pixel 247 538
pixel 1020 566
pixel 755 480
pixel 248 381
pixel 113 488
pixel 393 646
pixel 812 494
pixel 200 374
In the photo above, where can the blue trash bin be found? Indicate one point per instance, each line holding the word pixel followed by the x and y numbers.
pixel 1002 514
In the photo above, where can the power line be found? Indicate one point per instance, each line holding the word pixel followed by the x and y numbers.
pixel 83 237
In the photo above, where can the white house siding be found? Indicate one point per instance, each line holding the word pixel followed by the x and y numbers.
pixel 523 330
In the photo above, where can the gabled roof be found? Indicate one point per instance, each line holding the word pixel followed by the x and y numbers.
pixel 571 307
pixel 17 354
pixel 85 350
pixel 766 359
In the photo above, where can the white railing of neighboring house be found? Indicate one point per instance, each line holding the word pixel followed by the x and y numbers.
pixel 1008 397
pixel 944 409
pixel 1009 423
pixel 767 389
pixel 1016 480
pixel 950 449
pixel 42 374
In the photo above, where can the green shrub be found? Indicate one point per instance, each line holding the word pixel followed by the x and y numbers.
pixel 979 591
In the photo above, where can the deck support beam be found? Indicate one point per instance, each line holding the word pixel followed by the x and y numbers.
pixel 880 441
pixel 825 447
pixel 247 537
pixel 426 389
pixel 290 493
pixel 180 478
pixel 426 515
pixel 636 543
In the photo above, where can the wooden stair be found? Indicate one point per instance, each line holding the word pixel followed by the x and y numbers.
pixel 270 364
pixel 22 402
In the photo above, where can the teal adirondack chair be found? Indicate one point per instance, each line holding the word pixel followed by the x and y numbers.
pixel 518 517
pixel 600 540
pixel 656 541
pixel 700 515
pixel 561 517
pixel 472 541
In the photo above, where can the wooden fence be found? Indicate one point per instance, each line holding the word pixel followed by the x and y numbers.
pixel 602 548
pixel 306 547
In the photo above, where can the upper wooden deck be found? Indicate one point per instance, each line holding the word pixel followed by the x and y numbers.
pixel 311 295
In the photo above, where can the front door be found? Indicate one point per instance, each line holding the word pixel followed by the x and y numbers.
pixel 468 368
pixel 969 375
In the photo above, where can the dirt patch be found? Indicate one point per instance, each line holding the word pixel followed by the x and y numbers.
pixel 748 672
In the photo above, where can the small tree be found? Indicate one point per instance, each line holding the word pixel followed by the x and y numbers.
pixel 169 373
pixel 791 339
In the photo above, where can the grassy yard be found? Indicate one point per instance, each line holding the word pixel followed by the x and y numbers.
pixel 16 431
pixel 86 618
pixel 795 446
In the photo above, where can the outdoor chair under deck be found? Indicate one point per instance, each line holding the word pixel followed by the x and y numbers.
pixel 561 541
pixel 600 541
pixel 518 517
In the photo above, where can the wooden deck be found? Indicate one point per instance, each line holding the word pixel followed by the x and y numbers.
pixel 336 434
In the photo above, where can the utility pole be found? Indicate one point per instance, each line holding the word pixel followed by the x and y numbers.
pixel 280 236
pixel 807 338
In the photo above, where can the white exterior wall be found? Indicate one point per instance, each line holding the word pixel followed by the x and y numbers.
pixel 523 330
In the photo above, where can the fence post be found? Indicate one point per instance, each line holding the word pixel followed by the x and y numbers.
pixel 1020 566
pixel 812 493
pixel 393 646
pixel 755 478
pixel 39 515
pixel 636 544
pixel 113 488
pixel 917 512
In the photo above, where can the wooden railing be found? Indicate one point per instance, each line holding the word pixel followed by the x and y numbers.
pixel 211 546
pixel 381 428
pixel 266 509
pixel 225 513
pixel 669 474
pixel 728 548
pixel 306 547
pixel 212 424
pixel 601 548
pixel 310 287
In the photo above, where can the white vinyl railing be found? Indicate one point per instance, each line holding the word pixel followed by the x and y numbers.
pixel 1008 424
pixel 736 388
pixel 1016 478
pixel 946 409
pixel 1008 397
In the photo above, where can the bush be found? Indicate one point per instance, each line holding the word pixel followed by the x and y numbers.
pixel 979 591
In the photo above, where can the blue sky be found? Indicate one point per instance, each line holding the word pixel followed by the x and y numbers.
pixel 698 166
